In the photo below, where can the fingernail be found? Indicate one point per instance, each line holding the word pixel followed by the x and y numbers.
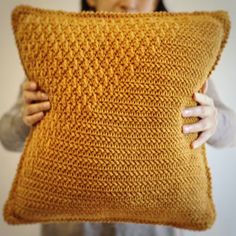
pixel 33 85
pixel 47 105
pixel 195 145
pixel 186 129
pixel 185 112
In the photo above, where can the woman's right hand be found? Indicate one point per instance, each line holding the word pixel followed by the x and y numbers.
pixel 34 103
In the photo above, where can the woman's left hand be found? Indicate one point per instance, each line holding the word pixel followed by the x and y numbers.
pixel 208 113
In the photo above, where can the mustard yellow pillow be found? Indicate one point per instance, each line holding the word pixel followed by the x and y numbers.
pixel 111 148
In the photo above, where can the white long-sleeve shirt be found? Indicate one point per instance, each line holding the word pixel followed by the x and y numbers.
pixel 13 132
pixel 225 135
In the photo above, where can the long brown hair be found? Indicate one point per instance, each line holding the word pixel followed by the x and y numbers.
pixel 86 7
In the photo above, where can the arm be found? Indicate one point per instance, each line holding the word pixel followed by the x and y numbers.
pixel 13 130
pixel 225 134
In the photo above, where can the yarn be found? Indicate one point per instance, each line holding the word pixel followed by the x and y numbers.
pixel 111 147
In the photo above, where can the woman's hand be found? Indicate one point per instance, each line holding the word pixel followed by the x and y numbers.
pixel 208 113
pixel 33 107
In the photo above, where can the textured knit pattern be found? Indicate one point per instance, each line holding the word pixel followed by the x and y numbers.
pixel 111 148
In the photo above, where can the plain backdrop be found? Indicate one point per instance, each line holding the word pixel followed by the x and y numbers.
pixel 222 162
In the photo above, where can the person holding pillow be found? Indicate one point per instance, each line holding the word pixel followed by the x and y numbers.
pixel 217 127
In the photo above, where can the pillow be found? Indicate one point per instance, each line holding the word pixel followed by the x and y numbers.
pixel 111 148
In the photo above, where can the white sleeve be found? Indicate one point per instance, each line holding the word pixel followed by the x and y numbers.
pixel 225 135
pixel 13 130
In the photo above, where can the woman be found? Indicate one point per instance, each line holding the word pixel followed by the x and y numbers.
pixel 217 127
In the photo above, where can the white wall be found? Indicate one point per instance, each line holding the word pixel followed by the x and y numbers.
pixel 221 161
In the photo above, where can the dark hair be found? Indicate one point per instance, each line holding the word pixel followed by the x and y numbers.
pixel 86 7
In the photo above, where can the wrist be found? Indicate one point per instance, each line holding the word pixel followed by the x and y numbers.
pixel 21 128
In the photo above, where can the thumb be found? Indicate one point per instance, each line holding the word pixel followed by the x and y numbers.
pixel 204 87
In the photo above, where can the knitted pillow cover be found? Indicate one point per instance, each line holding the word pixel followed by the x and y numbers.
pixel 111 147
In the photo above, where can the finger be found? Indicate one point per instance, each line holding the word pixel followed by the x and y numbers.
pixel 29 85
pixel 202 125
pixel 203 99
pixel 198 111
pixel 204 87
pixel 203 137
pixel 34 108
pixel 34 96
pixel 32 119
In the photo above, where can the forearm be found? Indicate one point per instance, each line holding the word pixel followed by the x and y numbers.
pixel 225 134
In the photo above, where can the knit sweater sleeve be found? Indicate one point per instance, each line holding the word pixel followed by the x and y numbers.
pixel 13 131
pixel 225 135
